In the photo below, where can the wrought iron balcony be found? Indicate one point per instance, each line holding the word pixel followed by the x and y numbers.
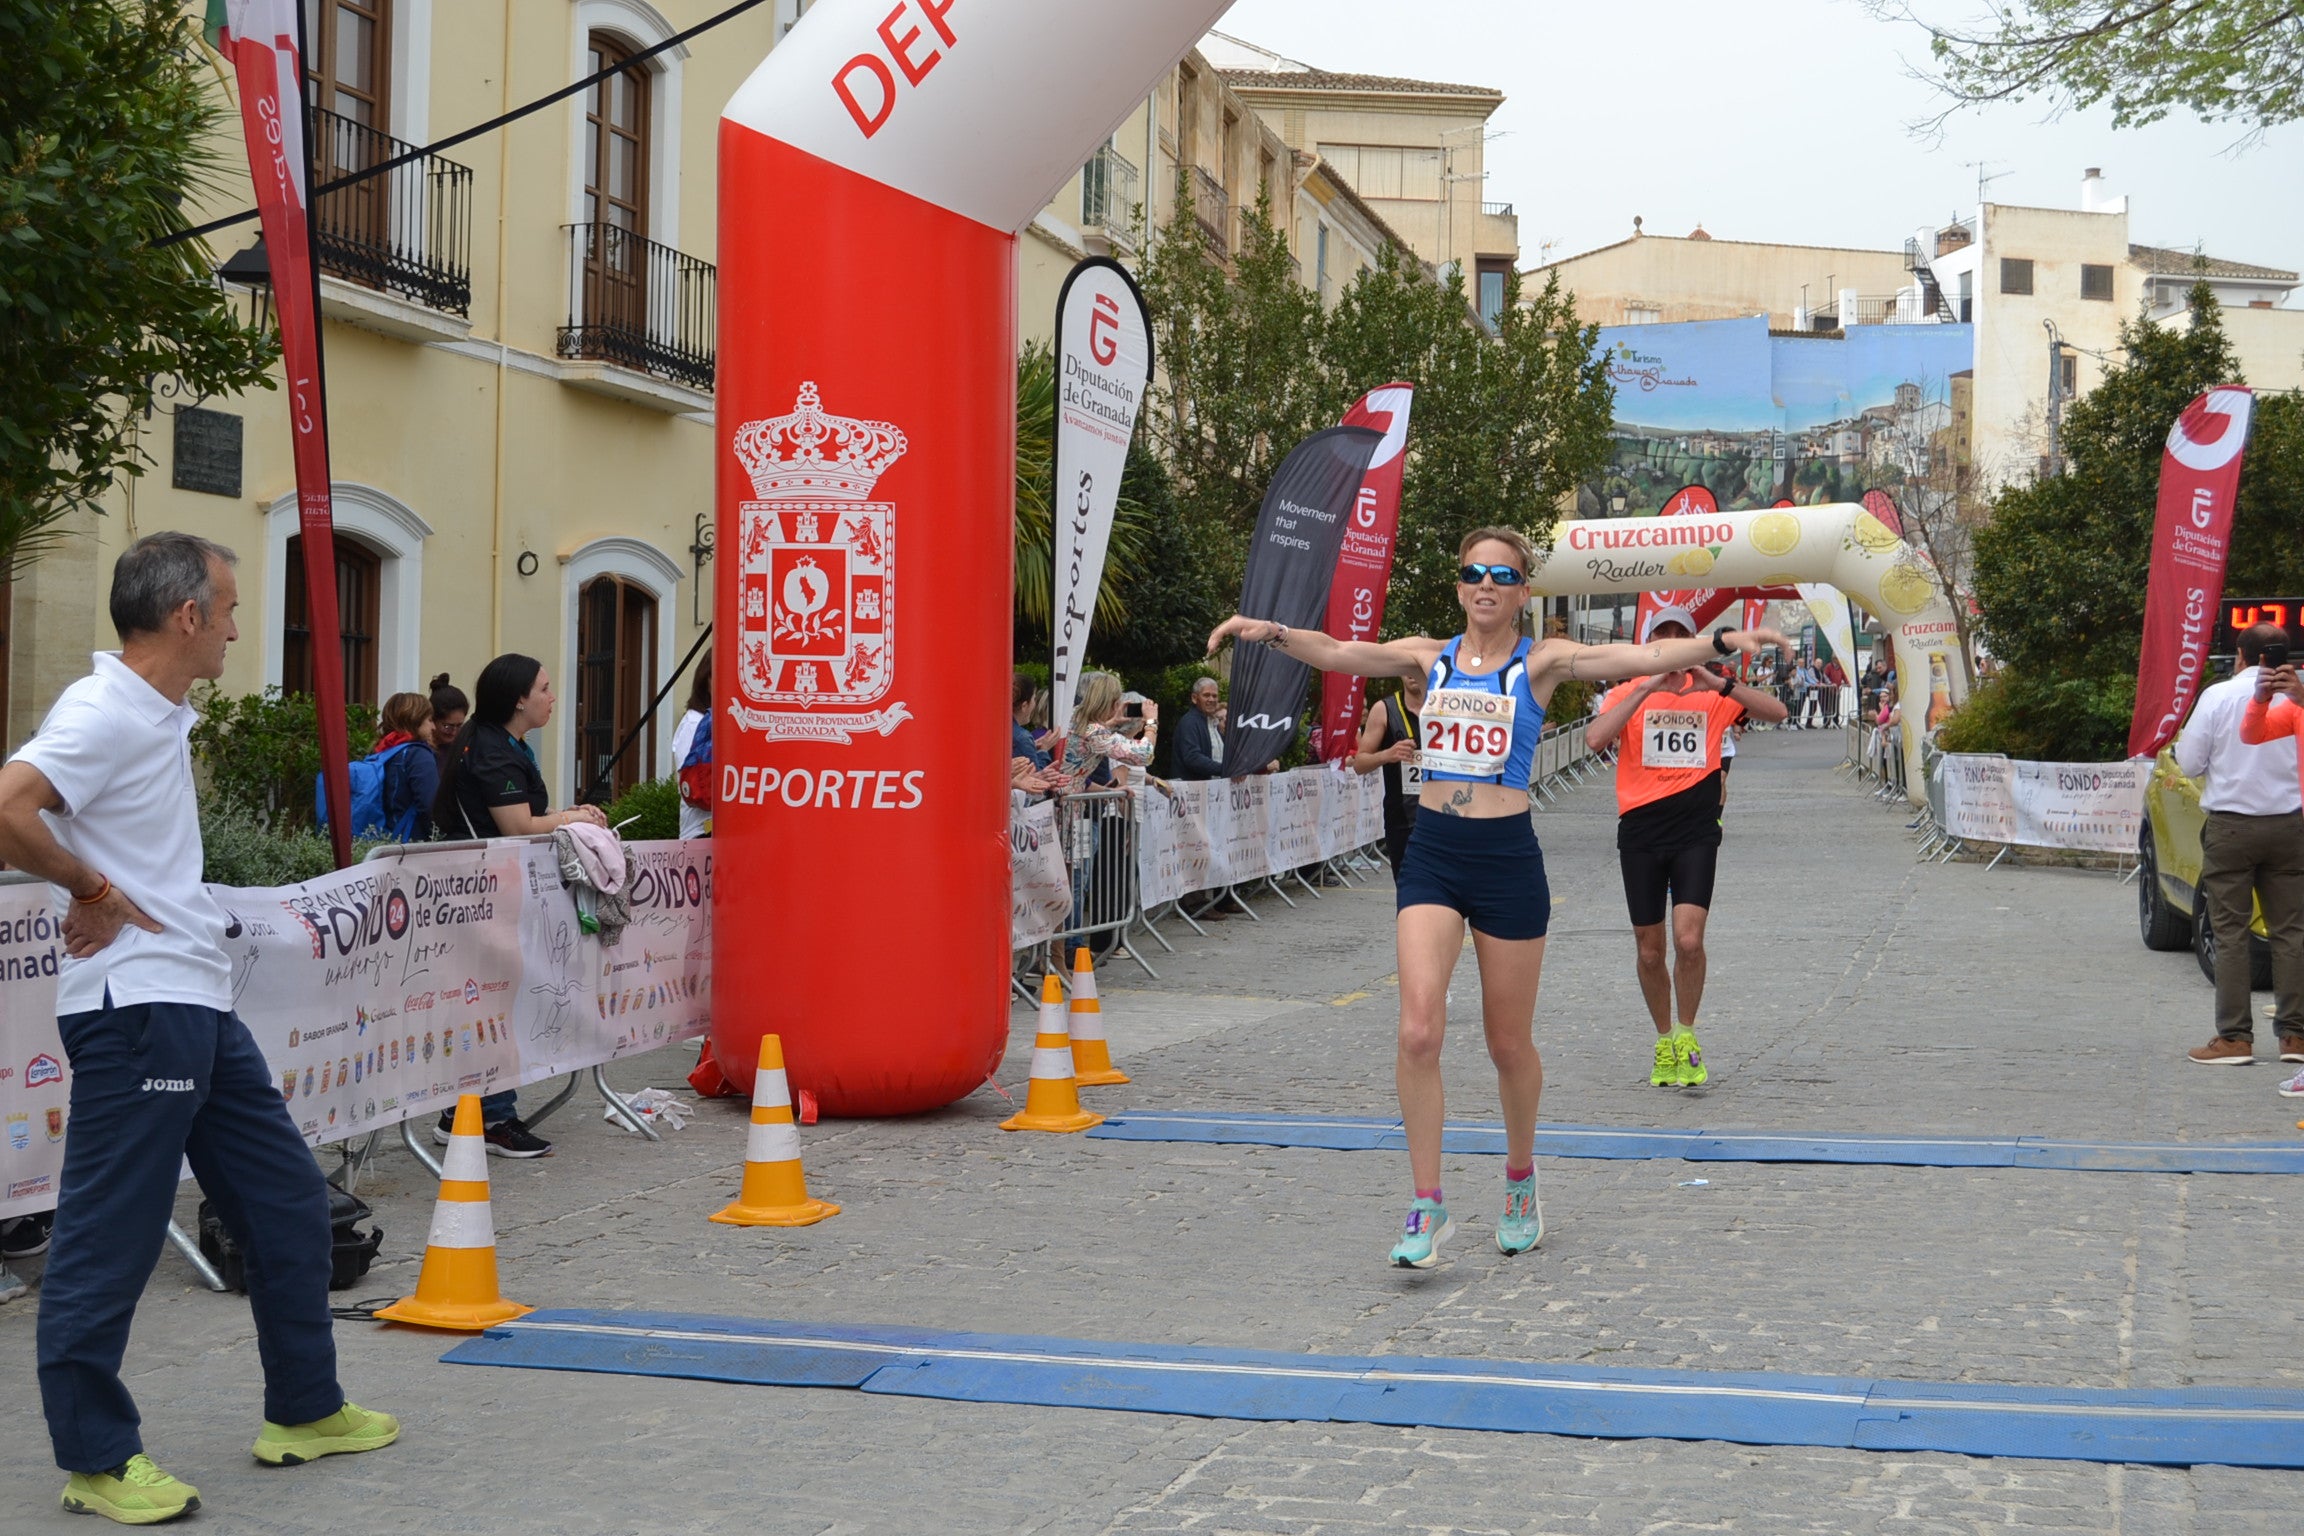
pixel 407 231
pixel 1109 196
pixel 640 305
pixel 1211 210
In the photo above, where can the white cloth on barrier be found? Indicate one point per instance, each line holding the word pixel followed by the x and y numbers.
pixel 2097 807
pixel 382 991
pixel 1040 886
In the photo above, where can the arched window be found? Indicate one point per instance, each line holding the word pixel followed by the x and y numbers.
pixel 359 606
pixel 615 675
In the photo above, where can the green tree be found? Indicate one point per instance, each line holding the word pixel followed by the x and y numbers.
pixel 1503 426
pixel 2062 567
pixel 2224 60
pixel 105 123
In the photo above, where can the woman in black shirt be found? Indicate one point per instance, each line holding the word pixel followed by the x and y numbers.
pixel 494 789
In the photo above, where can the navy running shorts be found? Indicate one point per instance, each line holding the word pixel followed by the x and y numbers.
pixel 1489 868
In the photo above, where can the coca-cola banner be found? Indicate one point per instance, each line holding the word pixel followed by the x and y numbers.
pixel 1103 367
pixel 1364 568
pixel 2191 535
pixel 1291 566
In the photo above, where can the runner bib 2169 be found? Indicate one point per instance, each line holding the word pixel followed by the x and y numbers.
pixel 1467 732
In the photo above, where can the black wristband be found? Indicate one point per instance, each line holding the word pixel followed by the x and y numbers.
pixel 1720 643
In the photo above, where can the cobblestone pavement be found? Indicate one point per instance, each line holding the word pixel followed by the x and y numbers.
pixel 1851 990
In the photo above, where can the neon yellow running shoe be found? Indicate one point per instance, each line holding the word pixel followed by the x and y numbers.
pixel 346 1430
pixel 1689 1057
pixel 1667 1070
pixel 138 1494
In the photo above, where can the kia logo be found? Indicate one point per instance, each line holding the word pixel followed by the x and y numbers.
pixel 1104 330
pixel 2212 430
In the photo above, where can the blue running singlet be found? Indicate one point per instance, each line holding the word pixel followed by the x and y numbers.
pixel 1480 730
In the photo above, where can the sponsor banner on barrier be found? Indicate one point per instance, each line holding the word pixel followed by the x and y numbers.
pixel 1042 899
pixel 1310 814
pixel 385 990
pixel 2097 807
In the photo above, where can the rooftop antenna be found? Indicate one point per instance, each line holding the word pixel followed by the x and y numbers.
pixel 1982 179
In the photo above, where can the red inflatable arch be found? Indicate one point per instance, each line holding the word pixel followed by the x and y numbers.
pixel 873 174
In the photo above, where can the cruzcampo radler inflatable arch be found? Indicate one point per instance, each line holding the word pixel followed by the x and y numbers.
pixel 1839 543
pixel 874 171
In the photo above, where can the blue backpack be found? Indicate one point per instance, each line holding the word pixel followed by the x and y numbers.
pixel 378 782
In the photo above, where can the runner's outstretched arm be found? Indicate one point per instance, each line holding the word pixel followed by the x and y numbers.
pixel 1559 661
pixel 1356 658
pixel 1609 724
pixel 1763 707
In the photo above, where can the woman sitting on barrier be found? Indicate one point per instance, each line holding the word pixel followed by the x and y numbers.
pixel 495 789
pixel 1472 856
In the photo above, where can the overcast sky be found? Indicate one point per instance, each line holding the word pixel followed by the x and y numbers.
pixel 1775 120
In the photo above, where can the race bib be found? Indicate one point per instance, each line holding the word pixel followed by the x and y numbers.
pixel 1674 738
pixel 1411 778
pixel 1467 733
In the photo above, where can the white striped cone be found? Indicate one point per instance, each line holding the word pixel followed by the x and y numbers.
pixel 1091 1056
pixel 1051 1102
pixel 457 1288
pixel 775 1192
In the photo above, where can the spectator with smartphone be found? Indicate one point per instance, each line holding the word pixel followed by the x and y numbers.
pixel 1095 744
pixel 2251 847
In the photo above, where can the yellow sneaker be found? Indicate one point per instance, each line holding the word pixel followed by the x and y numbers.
pixel 1689 1057
pixel 138 1494
pixel 346 1430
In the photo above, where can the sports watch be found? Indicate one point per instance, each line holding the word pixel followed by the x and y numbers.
pixel 1720 639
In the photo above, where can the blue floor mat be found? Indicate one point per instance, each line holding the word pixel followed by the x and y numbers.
pixel 2186 1427
pixel 1339 1133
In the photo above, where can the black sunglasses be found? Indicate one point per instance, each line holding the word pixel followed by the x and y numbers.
pixel 1502 575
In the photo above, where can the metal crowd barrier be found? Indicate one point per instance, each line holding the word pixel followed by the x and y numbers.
pixel 625 1115
pixel 1096 829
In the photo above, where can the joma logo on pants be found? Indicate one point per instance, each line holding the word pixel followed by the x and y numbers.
pixel 167 1085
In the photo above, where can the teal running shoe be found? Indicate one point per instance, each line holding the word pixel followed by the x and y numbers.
pixel 1521 1227
pixel 1428 1227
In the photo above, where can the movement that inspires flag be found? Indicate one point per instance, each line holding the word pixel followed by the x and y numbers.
pixel 260 37
pixel 2191 535
pixel 1103 367
pixel 1364 568
pixel 1290 568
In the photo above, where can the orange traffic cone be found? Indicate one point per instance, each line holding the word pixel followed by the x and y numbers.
pixel 1051 1103
pixel 1091 1057
pixel 775 1192
pixel 457 1287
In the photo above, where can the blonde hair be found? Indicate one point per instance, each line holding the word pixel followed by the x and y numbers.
pixel 1099 693
pixel 1512 536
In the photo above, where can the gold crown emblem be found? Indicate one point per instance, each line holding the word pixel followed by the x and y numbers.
pixel 811 455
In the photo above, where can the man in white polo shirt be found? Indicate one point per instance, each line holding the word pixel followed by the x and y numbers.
pixel 100 804
pixel 2251 851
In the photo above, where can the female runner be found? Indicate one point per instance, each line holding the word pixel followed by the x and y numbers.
pixel 1473 858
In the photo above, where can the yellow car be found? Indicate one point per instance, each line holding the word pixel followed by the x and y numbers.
pixel 2168 905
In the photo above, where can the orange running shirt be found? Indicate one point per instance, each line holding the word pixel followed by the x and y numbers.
pixel 1671 743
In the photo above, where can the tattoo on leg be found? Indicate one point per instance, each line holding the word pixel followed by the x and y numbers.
pixel 1456 803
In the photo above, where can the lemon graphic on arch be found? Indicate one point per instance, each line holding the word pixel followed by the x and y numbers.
pixel 1906 589
pixel 1874 535
pixel 1694 562
pixel 1774 533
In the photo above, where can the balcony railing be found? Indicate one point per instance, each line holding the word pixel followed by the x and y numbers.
pixel 1211 210
pixel 1869 309
pixel 639 305
pixel 1109 196
pixel 407 231
pixel 1498 210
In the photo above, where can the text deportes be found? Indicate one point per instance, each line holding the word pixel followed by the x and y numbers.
pixel 855 789
pixel 906 49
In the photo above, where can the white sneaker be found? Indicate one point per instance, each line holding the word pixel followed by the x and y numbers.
pixel 2293 1088
pixel 11 1288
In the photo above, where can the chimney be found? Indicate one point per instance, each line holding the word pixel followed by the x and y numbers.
pixel 2092 190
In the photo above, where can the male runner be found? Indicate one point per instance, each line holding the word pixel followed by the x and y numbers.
pixel 1669 787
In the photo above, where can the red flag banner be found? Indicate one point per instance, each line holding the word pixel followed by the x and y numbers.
pixel 2191 535
pixel 1702 603
pixel 1364 568
pixel 260 38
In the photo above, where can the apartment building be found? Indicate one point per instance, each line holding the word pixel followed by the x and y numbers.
pixel 1649 279
pixel 520 348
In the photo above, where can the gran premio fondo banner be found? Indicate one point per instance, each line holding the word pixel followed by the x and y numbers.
pixel 1291 565
pixel 1103 368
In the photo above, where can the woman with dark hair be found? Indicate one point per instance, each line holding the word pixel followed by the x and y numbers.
pixel 449 707
pixel 695 820
pixel 494 789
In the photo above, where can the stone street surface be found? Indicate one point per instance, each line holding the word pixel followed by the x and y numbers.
pixel 1852 990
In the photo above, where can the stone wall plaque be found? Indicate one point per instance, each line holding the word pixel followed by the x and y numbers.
pixel 206 454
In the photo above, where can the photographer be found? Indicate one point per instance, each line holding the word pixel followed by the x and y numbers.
pixel 2252 846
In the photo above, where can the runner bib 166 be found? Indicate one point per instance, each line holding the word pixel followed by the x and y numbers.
pixel 1674 738
pixel 1466 732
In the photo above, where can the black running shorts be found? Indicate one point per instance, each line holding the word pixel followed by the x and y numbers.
pixel 1656 880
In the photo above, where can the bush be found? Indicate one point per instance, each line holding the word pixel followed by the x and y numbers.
pixel 2044 719
pixel 656 804
pixel 239 850
pixel 1571 701
pixel 261 751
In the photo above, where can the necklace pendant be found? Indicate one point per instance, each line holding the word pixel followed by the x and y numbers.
pixel 1479 660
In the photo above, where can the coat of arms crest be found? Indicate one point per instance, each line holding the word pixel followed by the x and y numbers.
pixel 816 589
